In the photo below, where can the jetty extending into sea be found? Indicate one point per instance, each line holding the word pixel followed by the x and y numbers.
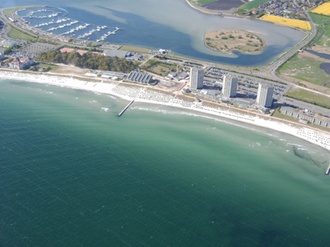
pixel 126 107
pixel 327 172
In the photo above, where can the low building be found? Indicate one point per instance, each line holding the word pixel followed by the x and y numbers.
pixel 66 50
pixel 21 63
pixel 305 116
pixel 139 77
pixel 69 50
pixel 7 43
pixel 116 53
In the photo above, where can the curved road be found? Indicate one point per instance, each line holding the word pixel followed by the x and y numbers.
pixel 281 60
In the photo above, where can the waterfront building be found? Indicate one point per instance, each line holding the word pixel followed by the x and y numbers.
pixel 196 78
pixel 21 63
pixel 306 116
pixel 229 87
pixel 265 95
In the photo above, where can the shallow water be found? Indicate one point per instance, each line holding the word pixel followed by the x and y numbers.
pixel 74 174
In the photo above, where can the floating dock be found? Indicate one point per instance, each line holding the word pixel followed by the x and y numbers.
pixel 126 107
pixel 327 172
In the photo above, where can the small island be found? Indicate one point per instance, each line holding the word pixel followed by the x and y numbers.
pixel 227 41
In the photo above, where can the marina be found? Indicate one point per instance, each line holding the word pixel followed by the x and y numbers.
pixel 54 21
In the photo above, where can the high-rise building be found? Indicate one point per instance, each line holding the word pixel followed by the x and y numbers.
pixel 196 78
pixel 229 87
pixel 265 95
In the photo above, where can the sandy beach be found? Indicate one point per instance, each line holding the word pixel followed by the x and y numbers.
pixel 145 95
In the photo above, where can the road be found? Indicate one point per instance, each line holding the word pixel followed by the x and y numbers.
pixel 271 70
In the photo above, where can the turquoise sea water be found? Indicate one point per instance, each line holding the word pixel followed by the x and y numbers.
pixel 74 174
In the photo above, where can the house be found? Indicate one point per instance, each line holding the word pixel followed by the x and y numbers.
pixel 21 63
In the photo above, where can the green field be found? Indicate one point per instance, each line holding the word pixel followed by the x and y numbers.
pixel 17 34
pixel 323 29
pixel 305 69
pixel 251 5
pixel 159 68
pixel 310 97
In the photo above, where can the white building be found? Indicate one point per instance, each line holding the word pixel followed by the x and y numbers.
pixel 229 87
pixel 265 95
pixel 196 78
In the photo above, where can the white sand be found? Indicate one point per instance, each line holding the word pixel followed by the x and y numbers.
pixel 142 94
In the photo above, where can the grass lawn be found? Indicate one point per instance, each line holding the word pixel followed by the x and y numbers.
pixel 159 68
pixel 310 97
pixel 17 34
pixel 53 67
pixel 306 69
pixel 134 49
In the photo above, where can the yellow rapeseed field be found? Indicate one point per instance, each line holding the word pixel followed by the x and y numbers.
pixel 305 25
pixel 323 9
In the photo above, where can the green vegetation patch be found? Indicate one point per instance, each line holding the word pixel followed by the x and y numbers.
pixel 251 5
pixel 18 34
pixel 306 69
pixel 323 29
pixel 48 66
pixel 10 12
pixel 278 114
pixel 88 60
pixel 159 68
pixel 203 2
pixel 134 49
pixel 308 96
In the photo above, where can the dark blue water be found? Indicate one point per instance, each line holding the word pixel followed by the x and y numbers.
pixel 322 55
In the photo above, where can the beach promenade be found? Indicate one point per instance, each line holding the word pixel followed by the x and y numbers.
pixel 148 95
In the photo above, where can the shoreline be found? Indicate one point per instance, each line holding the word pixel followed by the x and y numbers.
pixel 144 94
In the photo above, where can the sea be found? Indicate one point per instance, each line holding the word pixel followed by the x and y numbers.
pixel 73 173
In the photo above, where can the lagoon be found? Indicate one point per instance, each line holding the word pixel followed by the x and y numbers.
pixel 174 25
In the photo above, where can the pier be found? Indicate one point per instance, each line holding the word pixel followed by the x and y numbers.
pixel 327 172
pixel 126 107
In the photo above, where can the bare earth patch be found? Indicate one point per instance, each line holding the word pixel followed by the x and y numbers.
pixel 70 69
pixel 227 41
pixel 322 49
